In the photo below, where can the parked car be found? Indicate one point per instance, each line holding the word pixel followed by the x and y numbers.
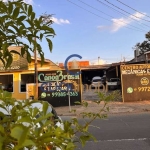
pixel 114 83
pixel 96 82
pixel 104 80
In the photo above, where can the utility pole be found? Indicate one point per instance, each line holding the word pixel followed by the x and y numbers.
pixel 68 92
pixel 36 73
pixel 98 60
pixel 46 21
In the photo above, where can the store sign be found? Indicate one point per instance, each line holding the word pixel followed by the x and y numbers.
pixel 135 82
pixel 19 63
pixel 54 87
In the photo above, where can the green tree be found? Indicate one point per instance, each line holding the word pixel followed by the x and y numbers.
pixel 145 45
pixel 19 23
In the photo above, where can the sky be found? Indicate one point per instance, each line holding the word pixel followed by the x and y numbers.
pixel 104 30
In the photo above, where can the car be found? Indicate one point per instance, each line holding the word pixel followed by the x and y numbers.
pixel 96 82
pixel 114 83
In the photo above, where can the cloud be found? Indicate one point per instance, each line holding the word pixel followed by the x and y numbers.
pixel 117 24
pixel 60 21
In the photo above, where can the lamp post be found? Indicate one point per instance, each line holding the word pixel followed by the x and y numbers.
pixel 68 93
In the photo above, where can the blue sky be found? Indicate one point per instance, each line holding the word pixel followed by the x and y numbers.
pixel 95 30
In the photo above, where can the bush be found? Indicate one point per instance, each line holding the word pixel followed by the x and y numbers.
pixel 25 127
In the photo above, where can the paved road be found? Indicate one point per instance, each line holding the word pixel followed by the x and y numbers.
pixel 121 132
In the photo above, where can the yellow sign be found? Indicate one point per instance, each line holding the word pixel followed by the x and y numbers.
pixel 138 69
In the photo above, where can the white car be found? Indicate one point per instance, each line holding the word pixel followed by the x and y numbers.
pixel 96 82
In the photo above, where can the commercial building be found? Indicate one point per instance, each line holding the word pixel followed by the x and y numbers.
pixel 19 78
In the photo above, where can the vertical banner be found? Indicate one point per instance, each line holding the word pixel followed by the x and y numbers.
pixel 135 82
pixel 54 87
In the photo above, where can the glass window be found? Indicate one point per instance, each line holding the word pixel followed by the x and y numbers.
pixel 25 79
pixel 97 80
pixel 6 82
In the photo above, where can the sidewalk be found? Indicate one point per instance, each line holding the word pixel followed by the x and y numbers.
pixel 114 108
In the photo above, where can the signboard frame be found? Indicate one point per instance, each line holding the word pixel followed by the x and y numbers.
pixel 135 82
pixel 54 85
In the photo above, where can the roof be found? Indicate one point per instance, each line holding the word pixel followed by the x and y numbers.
pixel 91 67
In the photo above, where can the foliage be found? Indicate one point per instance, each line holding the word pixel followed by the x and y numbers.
pixel 21 129
pixel 145 45
pixel 115 95
pixel 18 24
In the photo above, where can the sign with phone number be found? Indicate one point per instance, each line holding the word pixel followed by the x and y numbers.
pixel 54 87
pixel 135 82
pixel 63 94
pixel 142 89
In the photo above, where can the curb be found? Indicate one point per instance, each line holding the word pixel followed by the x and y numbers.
pixel 65 114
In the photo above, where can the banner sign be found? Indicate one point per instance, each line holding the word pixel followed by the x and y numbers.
pixel 54 87
pixel 135 82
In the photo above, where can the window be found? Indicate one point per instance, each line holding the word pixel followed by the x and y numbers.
pixel 25 79
pixel 6 82
pixel 114 80
pixel 97 80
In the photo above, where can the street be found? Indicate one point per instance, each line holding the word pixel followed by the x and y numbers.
pixel 120 132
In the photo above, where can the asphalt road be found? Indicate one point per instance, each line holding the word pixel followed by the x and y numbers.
pixel 121 132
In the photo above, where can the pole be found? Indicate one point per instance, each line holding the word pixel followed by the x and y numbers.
pixel 36 73
pixel 98 60
pixel 68 93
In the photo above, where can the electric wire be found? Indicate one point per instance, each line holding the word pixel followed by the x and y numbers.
pixel 126 11
pixel 123 13
pixel 102 17
pixel 109 15
pixel 133 8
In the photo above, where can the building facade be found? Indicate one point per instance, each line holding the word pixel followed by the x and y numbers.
pixel 19 78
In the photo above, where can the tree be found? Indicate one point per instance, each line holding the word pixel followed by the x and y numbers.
pixel 145 45
pixel 19 23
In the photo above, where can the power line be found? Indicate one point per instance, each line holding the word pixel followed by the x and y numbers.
pixel 126 11
pixel 133 8
pixel 122 13
pixel 108 14
pixel 102 17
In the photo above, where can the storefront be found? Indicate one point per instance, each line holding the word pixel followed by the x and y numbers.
pixel 21 75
